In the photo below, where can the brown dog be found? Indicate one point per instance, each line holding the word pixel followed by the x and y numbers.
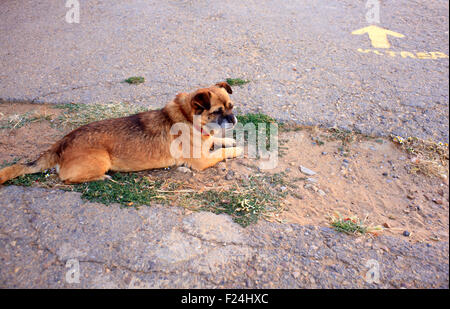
pixel 140 142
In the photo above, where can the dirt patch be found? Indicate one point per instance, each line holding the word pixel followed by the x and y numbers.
pixel 372 179
pixel 21 138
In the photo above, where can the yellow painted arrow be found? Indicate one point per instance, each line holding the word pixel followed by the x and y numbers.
pixel 378 35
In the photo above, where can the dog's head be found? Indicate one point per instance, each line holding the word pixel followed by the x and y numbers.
pixel 214 106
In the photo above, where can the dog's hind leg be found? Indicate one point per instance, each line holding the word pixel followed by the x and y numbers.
pixel 82 166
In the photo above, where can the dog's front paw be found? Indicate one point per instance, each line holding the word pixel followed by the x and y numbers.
pixel 225 142
pixel 229 142
pixel 237 152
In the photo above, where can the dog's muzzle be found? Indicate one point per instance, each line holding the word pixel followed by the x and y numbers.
pixel 227 121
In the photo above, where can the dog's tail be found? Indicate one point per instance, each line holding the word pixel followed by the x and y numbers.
pixel 47 160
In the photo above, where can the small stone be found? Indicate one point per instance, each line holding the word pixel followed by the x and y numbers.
pixel 346 161
pixel 307 171
pixel 183 169
pixel 229 175
pixel 321 192
pixel 438 201
pixel 386 225
pixel 410 196
pixel 385 174
pixel 324 153
pixel 406 233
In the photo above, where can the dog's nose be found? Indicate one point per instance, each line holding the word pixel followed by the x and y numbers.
pixel 231 119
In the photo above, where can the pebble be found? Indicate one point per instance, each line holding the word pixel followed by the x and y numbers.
pixel 321 192
pixel 307 171
pixel 406 233
pixel 346 161
pixel 324 153
pixel 438 201
pixel 385 174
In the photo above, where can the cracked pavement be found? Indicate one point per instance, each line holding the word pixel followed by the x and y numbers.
pixel 167 247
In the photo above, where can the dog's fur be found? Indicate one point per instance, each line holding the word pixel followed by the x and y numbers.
pixel 138 142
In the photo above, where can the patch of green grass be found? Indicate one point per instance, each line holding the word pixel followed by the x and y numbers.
pixel 236 81
pixel 255 119
pixel 135 80
pixel 352 225
pixel 348 226
pixel 258 120
pixel 28 180
pixel 245 202
pixel 124 188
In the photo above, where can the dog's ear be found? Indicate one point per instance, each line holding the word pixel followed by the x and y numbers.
pixel 202 100
pixel 226 86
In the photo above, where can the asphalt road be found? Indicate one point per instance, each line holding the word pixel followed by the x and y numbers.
pixel 55 240
pixel 300 56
